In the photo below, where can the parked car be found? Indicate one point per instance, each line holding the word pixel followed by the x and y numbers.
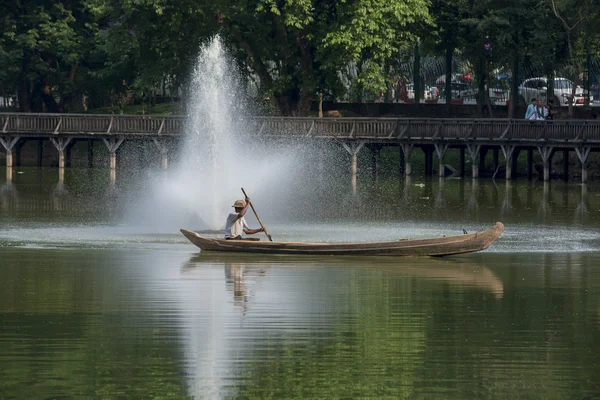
pixel 460 90
pixel 410 92
pixel 538 88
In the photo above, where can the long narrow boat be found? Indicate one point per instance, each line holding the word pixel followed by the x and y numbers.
pixel 443 246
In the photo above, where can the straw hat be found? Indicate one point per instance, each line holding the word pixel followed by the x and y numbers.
pixel 239 204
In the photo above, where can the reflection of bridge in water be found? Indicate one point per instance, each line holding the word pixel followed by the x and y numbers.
pixel 473 196
pixel 433 136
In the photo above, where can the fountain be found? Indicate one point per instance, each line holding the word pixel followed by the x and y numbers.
pixel 218 154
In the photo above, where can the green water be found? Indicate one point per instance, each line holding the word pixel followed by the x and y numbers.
pixel 95 303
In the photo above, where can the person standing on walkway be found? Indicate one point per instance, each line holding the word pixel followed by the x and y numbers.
pixel 541 112
pixel 530 109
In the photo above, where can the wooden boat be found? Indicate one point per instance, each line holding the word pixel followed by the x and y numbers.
pixel 443 246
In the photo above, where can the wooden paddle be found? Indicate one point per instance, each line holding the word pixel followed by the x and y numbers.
pixel 257 217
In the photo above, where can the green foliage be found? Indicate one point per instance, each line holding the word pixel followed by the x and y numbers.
pixel 61 55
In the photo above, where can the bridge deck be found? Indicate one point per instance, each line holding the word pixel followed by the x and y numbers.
pixel 380 130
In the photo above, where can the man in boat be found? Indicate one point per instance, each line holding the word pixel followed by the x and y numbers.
pixel 236 223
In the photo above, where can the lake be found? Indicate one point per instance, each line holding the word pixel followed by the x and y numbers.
pixel 100 298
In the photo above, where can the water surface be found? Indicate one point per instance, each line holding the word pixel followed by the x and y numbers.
pixel 95 302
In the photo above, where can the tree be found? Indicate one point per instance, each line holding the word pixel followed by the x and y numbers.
pixel 575 16
pixel 43 50
pixel 300 47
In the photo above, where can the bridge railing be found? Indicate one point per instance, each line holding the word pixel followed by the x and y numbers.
pixel 90 124
pixel 328 128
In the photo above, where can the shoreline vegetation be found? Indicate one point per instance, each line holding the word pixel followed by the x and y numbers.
pixel 59 56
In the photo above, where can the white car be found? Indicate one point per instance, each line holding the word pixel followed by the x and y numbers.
pixel 537 88
pixel 410 92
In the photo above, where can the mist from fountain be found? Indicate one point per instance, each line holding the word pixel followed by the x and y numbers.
pixel 218 155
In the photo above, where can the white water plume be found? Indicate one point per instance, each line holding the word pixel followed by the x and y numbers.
pixel 219 153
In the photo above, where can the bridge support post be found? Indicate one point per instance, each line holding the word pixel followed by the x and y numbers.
pixel 474 150
pixel 113 145
pixel 530 164
pixel 566 165
pixel 508 151
pixel 407 149
pixel 40 152
pixel 353 149
pixel 441 149
pixel 9 144
pixel 61 144
pixel 402 165
pixel 583 153
pixel 546 152
pixel 428 160
pixel 496 158
pixel 515 163
pixel 17 158
pixel 376 150
pixel 90 153
pixel 163 147
pixel 482 155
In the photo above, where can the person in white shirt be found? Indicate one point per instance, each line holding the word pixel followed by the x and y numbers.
pixel 236 223
pixel 540 112
pixel 530 109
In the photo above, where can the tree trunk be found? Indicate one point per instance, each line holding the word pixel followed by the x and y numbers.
pixel 480 73
pixel 24 87
pixel 417 74
pixel 306 98
pixel 514 89
pixel 550 88
pixel 321 104
pixel 448 83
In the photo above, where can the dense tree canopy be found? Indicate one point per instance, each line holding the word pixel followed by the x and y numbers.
pixel 66 55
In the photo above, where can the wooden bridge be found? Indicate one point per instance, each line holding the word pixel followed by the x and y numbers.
pixel 472 136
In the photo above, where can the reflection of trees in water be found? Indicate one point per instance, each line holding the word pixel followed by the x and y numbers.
pixel 73 329
pixel 349 326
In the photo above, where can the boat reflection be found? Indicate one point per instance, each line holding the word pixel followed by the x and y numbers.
pixel 243 271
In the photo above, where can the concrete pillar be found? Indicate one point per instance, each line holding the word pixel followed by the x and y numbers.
pixel 90 153
pixel 353 149
pixel 61 176
pixel 428 160
pixel 461 166
pixel 515 163
pixel 508 151
pixel 9 174
pixel 113 145
pixel 376 153
pixel 530 164
pixel 482 155
pixel 583 153
pixel 474 150
pixel 566 165
pixel 68 153
pixel 496 158
pixel 407 149
pixel 163 148
pixel 441 149
pixel 40 152
pixel 9 143
pixel 113 176
pixel 17 158
pixel 401 169
pixel 61 144
pixel 546 152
